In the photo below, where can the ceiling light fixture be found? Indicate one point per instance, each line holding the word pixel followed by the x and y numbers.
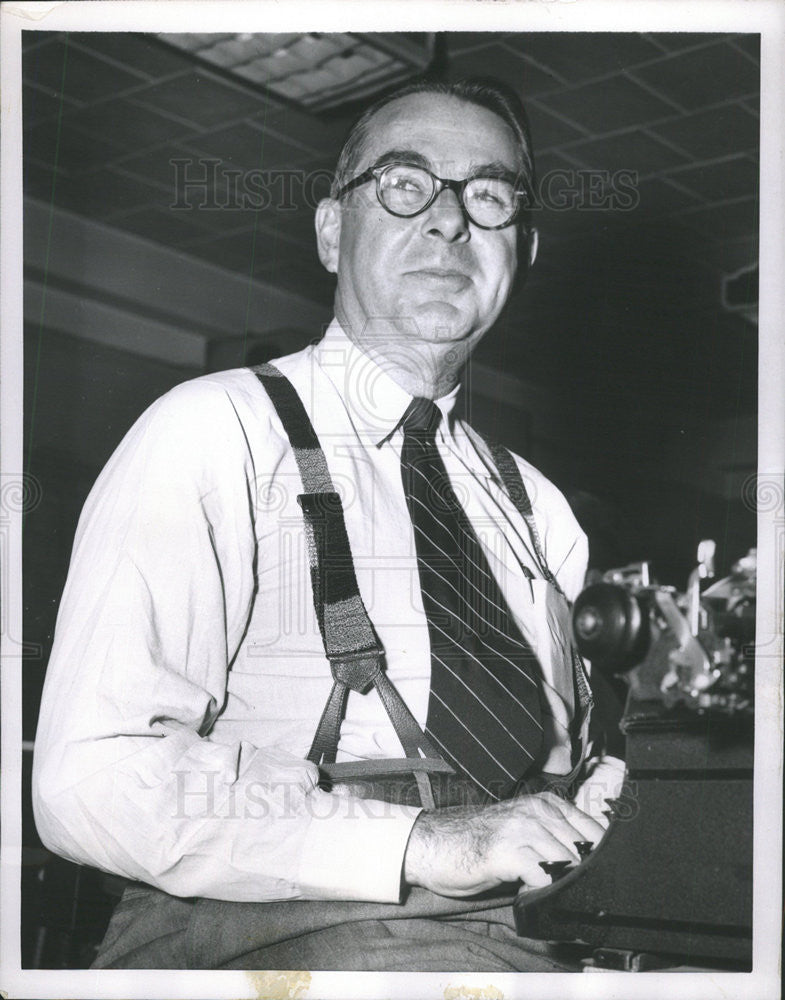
pixel 317 71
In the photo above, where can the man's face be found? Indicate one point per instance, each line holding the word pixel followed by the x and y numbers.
pixel 435 279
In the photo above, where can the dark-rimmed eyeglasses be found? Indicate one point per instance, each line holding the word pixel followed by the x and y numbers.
pixel 405 190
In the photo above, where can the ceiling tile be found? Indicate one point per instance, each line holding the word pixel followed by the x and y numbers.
pixel 498 61
pixel 295 226
pixel 560 218
pixel 293 267
pixel 278 254
pixel 104 192
pixel 144 52
pixel 225 215
pixel 325 132
pixel 245 146
pixel 155 165
pixel 37 39
pixel 733 255
pixel 80 76
pixel 465 41
pixel 549 130
pixel 722 180
pixel 317 179
pixel 553 172
pixel 201 98
pixel 211 186
pixel 716 132
pixel 657 197
pixel 545 163
pixel 578 56
pixel 169 228
pixel 613 103
pixel 127 125
pixel 311 281
pixel 750 43
pixel 39 103
pixel 70 150
pixel 238 145
pixel 726 222
pixel 237 251
pixel 674 41
pixel 37 180
pixel 694 79
pixel 628 151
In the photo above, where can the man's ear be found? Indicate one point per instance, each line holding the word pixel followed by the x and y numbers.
pixel 328 233
pixel 534 242
pixel 528 241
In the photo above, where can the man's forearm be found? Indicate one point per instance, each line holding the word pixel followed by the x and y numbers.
pixel 468 849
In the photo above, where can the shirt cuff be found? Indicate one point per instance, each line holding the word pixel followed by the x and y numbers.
pixel 354 848
pixel 605 780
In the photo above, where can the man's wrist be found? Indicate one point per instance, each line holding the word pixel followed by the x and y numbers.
pixel 415 849
pixel 452 830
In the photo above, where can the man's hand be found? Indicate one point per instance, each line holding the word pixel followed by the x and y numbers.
pixel 465 850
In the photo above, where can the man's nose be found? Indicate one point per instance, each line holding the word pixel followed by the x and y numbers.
pixel 446 218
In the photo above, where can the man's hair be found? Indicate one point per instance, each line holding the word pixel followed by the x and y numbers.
pixel 485 93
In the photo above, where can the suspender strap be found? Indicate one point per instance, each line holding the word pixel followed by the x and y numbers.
pixel 350 642
pixel 302 437
pixel 511 477
pixel 513 483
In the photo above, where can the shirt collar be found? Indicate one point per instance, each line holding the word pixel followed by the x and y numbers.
pixel 375 401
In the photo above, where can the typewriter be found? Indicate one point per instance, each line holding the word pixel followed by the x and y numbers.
pixel 670 882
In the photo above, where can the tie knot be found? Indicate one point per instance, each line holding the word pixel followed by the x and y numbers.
pixel 422 417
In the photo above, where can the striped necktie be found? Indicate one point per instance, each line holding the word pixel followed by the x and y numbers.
pixel 484 705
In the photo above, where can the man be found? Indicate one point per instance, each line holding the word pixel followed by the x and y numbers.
pixel 189 672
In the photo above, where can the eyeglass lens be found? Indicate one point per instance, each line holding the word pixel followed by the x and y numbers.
pixel 406 190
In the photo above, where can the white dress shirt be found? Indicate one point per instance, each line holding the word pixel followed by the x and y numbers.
pixel 188 673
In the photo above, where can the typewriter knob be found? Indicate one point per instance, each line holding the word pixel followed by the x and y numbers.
pixel 610 628
pixel 584 848
pixel 556 869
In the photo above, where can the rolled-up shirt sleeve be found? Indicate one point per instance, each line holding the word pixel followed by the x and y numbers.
pixel 158 598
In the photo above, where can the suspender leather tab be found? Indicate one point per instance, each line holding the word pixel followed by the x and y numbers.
pixel 357 671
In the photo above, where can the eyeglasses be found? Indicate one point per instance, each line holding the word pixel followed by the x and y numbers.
pixel 405 190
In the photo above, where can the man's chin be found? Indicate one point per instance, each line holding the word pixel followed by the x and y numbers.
pixel 442 323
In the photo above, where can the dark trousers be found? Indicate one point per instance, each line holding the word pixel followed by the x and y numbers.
pixel 427 933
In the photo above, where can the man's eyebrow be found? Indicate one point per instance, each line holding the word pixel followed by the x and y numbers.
pixel 495 168
pixel 404 156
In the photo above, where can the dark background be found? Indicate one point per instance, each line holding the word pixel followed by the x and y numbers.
pixel 616 370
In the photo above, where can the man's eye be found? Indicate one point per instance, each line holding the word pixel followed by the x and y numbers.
pixel 487 195
pixel 490 192
pixel 406 182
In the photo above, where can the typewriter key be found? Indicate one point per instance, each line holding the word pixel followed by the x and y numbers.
pixel 556 869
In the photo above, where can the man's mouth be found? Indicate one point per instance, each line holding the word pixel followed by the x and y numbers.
pixel 443 275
